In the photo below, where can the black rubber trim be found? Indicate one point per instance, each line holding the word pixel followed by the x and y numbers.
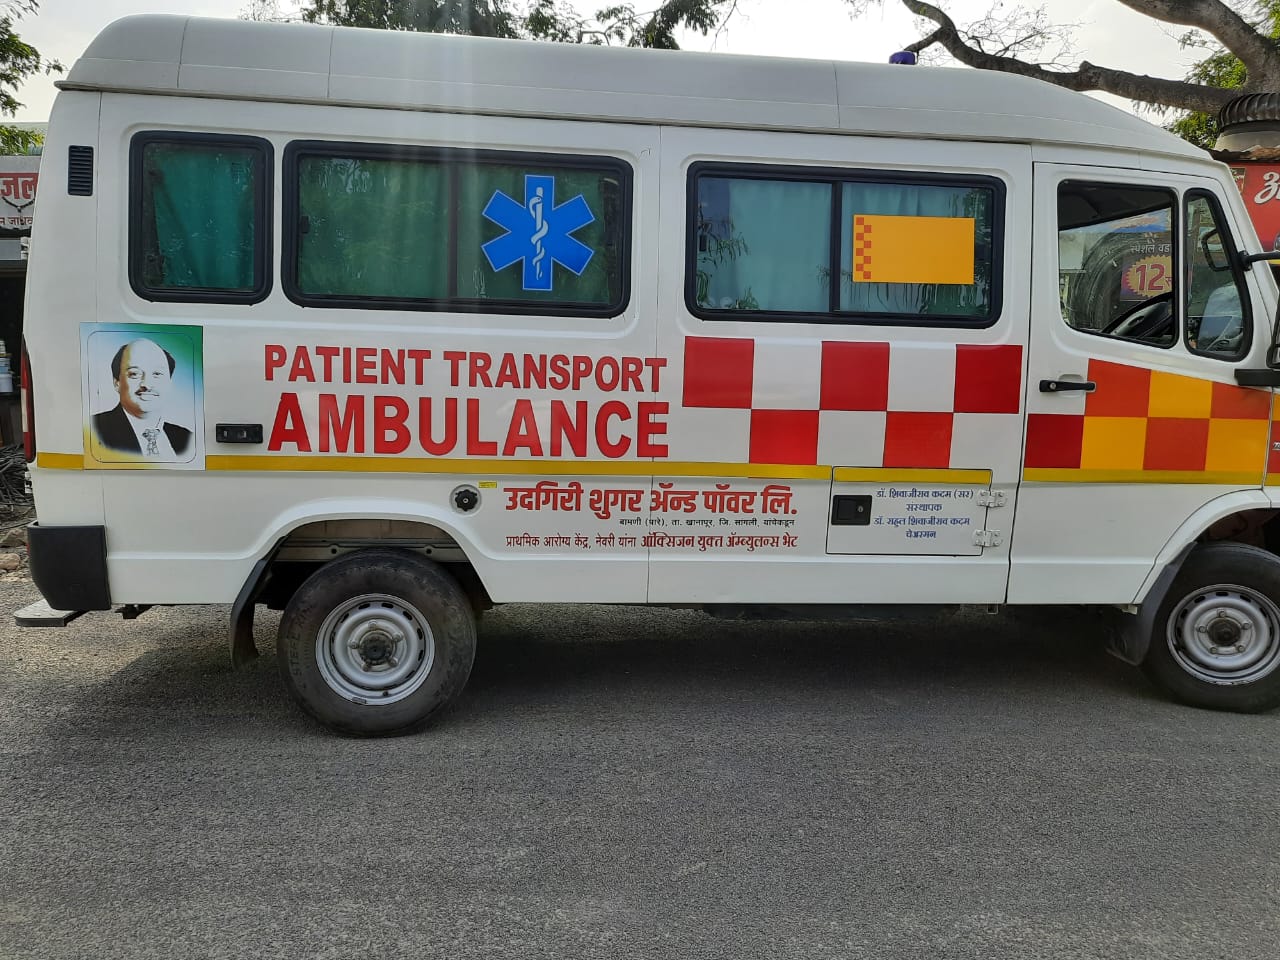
pixel 1265 377
pixel 243 648
pixel 69 566
pixel 1132 637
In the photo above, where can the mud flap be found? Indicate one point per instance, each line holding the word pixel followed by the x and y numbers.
pixel 243 649
pixel 1130 635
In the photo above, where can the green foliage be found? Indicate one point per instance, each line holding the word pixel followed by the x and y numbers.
pixel 620 24
pixel 482 18
pixel 18 61
pixel 1221 69
pixel 714 252
pixel 14 141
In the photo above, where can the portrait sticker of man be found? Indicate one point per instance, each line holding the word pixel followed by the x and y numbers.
pixel 152 414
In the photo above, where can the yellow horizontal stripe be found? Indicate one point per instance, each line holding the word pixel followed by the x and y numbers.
pixel 646 468
pixel 60 461
pixel 560 468
pixel 1217 477
pixel 885 475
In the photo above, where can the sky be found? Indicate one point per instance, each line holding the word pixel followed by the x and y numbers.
pixel 1109 34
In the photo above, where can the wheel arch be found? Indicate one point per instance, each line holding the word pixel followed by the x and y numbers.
pixel 1245 516
pixel 308 535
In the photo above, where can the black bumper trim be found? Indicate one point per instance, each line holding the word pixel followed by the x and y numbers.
pixel 69 566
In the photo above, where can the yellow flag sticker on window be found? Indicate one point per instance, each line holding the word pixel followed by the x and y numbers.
pixel 912 249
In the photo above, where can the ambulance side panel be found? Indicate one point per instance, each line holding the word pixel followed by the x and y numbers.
pixel 62 292
pixel 1165 444
pixel 193 534
pixel 722 473
pixel 913 420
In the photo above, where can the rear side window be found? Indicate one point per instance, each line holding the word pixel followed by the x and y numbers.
pixel 198 217
pixel 779 243
pixel 394 227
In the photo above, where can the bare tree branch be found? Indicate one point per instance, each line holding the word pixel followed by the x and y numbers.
pixel 1258 53
pixel 1132 86
pixel 1023 33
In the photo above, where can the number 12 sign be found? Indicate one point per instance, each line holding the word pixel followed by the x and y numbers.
pixel 1147 277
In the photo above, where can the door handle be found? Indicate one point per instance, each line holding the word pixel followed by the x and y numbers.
pixel 1063 386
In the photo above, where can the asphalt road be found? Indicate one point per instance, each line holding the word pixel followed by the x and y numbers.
pixel 627 783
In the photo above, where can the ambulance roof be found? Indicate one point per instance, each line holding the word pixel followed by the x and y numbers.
pixel 304 63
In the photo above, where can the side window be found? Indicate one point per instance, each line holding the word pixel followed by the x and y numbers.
pixel 424 229
pixel 835 245
pixel 1116 268
pixel 198 217
pixel 1218 320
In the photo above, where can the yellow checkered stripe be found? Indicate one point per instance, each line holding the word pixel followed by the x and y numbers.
pixel 1145 426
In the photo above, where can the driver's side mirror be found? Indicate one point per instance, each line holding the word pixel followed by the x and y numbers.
pixel 1249 259
pixel 1214 254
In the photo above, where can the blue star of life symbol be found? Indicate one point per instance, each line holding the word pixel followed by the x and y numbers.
pixel 538 232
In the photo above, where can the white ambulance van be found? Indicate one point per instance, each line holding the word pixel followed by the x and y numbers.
pixel 382 328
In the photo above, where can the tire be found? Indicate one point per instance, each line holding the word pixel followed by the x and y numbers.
pixel 377 643
pixel 1216 638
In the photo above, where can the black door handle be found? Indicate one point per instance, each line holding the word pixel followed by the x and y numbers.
pixel 1062 386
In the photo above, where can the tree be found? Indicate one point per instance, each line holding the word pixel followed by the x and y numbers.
pixel 1024 42
pixel 540 20
pixel 18 61
pixel 485 18
pixel 1221 69
pixel 263 10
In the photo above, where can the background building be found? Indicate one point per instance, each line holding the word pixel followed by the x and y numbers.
pixel 19 181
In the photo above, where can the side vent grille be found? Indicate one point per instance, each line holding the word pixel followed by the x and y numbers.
pixel 80 171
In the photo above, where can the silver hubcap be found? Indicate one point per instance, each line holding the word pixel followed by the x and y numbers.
pixel 375 649
pixel 1226 634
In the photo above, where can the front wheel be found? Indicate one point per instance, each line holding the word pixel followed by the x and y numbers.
pixel 377 642
pixel 1216 640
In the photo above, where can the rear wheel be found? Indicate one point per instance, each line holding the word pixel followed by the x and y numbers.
pixel 1217 634
pixel 377 642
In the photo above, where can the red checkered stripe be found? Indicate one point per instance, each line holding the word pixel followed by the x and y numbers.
pixel 719 374
pixel 1153 425
pixel 861 248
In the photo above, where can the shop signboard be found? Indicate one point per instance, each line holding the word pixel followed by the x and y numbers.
pixel 1259 184
pixel 19 177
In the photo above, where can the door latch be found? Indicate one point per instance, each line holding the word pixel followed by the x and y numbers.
pixel 1066 386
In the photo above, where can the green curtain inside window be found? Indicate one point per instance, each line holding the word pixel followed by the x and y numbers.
pixel 918 200
pixel 198 209
pixel 763 245
pixel 600 282
pixel 381 228
pixel 373 228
